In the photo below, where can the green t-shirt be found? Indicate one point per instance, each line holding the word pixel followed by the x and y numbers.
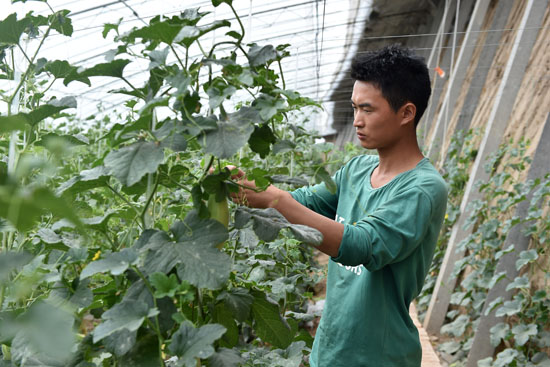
pixel 389 239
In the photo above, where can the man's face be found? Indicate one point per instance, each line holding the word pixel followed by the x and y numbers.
pixel 377 125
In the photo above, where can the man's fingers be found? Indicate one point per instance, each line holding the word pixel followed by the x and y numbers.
pixel 239 174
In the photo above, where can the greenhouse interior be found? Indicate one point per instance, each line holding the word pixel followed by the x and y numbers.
pixel 294 183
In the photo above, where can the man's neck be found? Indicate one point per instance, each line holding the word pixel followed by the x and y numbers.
pixel 397 162
pixel 394 161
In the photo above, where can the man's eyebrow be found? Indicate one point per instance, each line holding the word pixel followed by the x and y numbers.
pixel 365 104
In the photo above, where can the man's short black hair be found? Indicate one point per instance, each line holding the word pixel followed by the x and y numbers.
pixel 400 75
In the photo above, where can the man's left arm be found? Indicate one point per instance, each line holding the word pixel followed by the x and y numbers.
pixel 394 230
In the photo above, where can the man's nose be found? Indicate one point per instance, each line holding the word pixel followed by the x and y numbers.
pixel 357 122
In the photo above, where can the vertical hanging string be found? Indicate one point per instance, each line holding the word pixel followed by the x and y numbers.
pixel 249 23
pixel 317 28
pixel 451 73
pixel 14 108
pixel 438 44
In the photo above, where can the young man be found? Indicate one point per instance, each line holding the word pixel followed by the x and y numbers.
pixel 381 226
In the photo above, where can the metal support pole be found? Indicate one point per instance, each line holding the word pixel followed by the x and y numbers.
pixel 497 122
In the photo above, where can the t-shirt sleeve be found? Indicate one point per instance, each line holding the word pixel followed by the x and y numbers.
pixel 390 233
pixel 318 197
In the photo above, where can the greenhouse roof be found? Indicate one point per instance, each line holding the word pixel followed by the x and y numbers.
pixel 320 34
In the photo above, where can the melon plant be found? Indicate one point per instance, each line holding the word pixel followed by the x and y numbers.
pixel 111 226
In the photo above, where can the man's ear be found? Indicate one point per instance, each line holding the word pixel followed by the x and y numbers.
pixel 408 113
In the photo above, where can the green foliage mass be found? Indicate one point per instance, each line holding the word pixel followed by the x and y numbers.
pixel 108 252
pixel 522 337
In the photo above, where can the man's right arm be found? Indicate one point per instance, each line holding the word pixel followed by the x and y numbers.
pixel 316 208
pixel 297 213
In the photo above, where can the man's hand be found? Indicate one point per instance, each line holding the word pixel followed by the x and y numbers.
pixel 249 194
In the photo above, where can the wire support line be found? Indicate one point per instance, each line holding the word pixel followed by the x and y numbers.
pixel 133 11
pixel 294 32
pixel 179 11
pixel 331 48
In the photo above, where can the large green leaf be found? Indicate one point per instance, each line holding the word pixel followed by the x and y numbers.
pixel 523 332
pixel 457 327
pixel 519 283
pixel 51 108
pixel 13 123
pixel 218 93
pixel 61 23
pixel 10 261
pixel 145 353
pixel 21 120
pixel 201 264
pixel 222 316
pixel 165 286
pixel 268 222
pixel 122 132
pixel 45 337
pixel 196 231
pixel 11 29
pixel 526 257
pixel 82 296
pixel 120 342
pixel 127 315
pixel 217 3
pixel 160 31
pixel 59 143
pixel 189 34
pixel 269 106
pixel 113 69
pixel 160 256
pixel 131 163
pixel 158 57
pixel 100 222
pixel 238 301
pixel 499 332
pixel 261 139
pixel 24 207
pixel 260 55
pixel 268 323
pixel 189 343
pixel 181 81
pixel 231 134
pixel 506 358
pixel 226 358
pixel 509 308
pixel 61 69
pixel 86 180
pixel 115 263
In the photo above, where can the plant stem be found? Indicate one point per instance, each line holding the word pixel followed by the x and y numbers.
pixel 156 327
pixel 148 202
pixel 24 53
pixel 210 162
pixel 199 308
pixel 202 50
pixel 131 86
pixel 2 290
pixel 282 74
pixel 177 57
pixel 10 100
pixel 123 199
